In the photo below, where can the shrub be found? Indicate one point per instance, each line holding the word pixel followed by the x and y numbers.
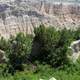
pixel 52 45
pixel 4 44
pixel 19 48
pixel 62 47
pixel 77 34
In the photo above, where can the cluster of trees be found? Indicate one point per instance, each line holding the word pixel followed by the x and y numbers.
pixel 49 46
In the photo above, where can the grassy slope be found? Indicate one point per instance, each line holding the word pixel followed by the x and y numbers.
pixel 45 73
pixel 59 75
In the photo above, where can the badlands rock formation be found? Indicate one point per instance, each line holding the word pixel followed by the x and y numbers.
pixel 23 15
pixel 75 47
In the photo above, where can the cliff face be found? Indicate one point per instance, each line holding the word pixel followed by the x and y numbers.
pixel 23 15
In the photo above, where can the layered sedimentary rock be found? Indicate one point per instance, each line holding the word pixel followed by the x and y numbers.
pixel 23 15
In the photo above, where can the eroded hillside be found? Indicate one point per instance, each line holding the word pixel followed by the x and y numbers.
pixel 23 15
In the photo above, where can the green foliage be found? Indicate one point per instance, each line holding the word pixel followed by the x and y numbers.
pixel 19 48
pixel 45 72
pixel 77 34
pixel 52 49
pixel 60 51
pixel 53 45
pixel 4 44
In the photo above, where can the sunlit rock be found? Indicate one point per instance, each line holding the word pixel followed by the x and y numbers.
pixel 2 57
pixel 52 78
pixel 75 47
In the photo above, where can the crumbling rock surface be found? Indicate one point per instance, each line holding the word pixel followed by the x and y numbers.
pixel 2 56
pixel 75 47
pixel 23 15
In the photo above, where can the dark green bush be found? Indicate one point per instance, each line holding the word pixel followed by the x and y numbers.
pixel 19 49
pixel 4 44
pixel 77 34
pixel 49 46
pixel 60 53
pixel 52 45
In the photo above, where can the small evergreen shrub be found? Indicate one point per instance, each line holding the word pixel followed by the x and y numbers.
pixel 4 44
pixel 53 45
pixel 19 49
pixel 77 34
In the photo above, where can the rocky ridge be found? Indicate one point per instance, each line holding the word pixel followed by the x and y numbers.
pixel 23 15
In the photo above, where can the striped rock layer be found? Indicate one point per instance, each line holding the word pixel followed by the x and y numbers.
pixel 23 15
